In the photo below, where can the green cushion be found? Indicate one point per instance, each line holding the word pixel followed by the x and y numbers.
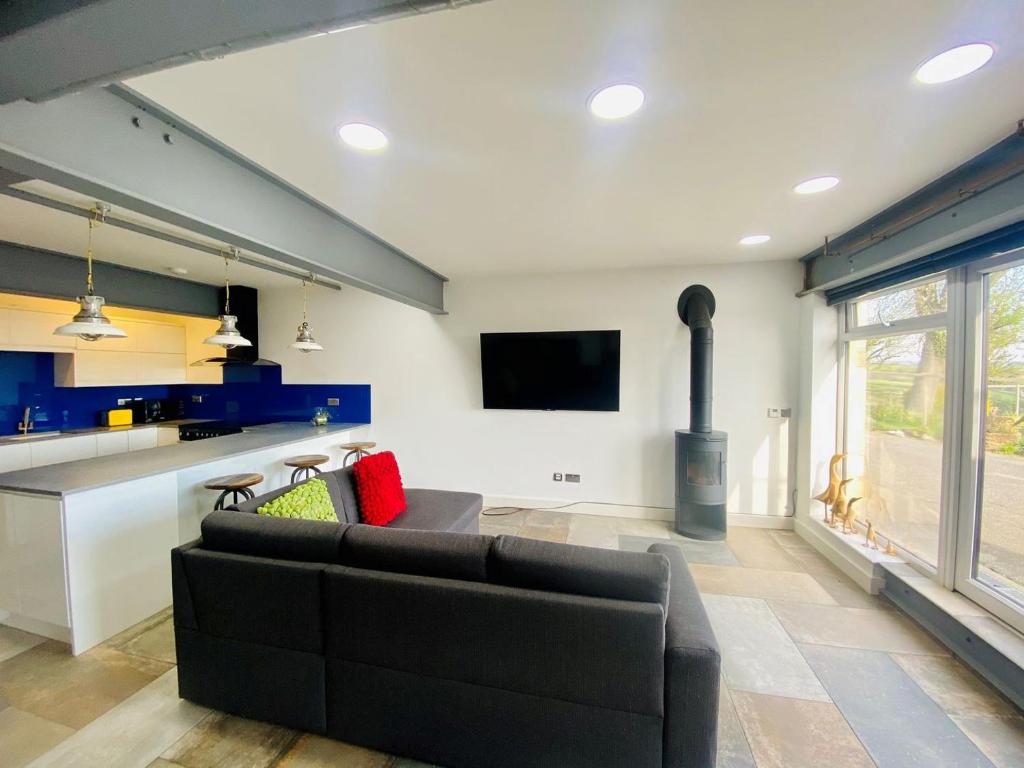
pixel 309 501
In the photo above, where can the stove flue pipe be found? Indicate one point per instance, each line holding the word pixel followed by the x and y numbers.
pixel 696 307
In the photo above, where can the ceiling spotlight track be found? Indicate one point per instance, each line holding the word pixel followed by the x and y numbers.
pixel 142 229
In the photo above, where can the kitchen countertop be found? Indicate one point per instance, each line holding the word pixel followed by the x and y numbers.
pixel 87 474
pixel 37 437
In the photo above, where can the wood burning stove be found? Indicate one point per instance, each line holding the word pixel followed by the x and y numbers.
pixel 701 452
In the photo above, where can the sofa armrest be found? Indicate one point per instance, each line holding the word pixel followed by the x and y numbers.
pixel 181 595
pixel 692 671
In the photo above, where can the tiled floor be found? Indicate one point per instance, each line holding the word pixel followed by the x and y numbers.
pixel 816 673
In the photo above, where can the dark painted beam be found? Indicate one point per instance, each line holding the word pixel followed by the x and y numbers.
pixel 979 197
pixel 52 47
pixel 38 272
pixel 114 145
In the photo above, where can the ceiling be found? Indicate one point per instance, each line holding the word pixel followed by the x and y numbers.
pixel 495 164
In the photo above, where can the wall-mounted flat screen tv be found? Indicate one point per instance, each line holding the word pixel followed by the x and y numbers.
pixel 551 371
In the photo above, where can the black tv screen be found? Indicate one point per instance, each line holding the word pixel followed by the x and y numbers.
pixel 551 371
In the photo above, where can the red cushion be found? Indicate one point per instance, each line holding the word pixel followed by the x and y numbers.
pixel 379 488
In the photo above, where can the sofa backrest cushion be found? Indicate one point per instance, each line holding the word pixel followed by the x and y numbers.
pixel 417 553
pixel 242 533
pixel 271 602
pixel 552 567
pixel 345 478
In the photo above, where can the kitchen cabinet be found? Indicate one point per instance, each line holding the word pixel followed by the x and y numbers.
pixel 5 326
pixel 16 456
pixel 113 343
pixel 31 330
pixel 159 337
pixel 58 450
pixel 160 368
pixel 95 367
pixel 108 443
pixel 142 438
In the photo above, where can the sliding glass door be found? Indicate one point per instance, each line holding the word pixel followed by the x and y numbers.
pixel 933 425
pixel 990 528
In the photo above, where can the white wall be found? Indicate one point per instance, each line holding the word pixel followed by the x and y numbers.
pixel 427 402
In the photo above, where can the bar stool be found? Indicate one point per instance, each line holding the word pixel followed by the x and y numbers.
pixel 306 465
pixel 357 449
pixel 237 485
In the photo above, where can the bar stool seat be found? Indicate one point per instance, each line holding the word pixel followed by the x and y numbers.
pixel 306 465
pixel 358 449
pixel 239 485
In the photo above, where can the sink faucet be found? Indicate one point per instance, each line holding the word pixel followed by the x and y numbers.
pixel 24 426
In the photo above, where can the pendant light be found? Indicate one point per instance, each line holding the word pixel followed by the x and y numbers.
pixel 304 341
pixel 227 334
pixel 90 324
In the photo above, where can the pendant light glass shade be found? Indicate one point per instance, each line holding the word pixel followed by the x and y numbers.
pixel 90 324
pixel 227 335
pixel 304 341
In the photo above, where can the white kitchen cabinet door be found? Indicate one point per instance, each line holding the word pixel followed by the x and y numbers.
pixel 97 367
pixel 160 337
pixel 63 449
pixel 139 439
pixel 17 456
pixel 34 330
pixel 166 435
pixel 108 443
pixel 160 368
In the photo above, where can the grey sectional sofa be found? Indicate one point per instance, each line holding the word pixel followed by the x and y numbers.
pixel 456 649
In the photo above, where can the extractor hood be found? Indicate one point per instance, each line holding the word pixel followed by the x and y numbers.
pixel 244 306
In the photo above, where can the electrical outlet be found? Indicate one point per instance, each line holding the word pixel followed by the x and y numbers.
pixel 123 400
pixel 334 401
pixel 197 398
pixel 557 477
pixel 787 413
pixel 572 478
pixel 773 413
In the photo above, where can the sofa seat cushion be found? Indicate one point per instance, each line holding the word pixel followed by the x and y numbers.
pixel 242 533
pixel 379 488
pixel 444 554
pixel 431 510
pixel 552 567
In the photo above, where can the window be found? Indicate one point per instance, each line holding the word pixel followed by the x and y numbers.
pixel 896 370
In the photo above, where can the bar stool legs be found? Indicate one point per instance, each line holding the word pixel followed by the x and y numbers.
pixel 304 473
pixel 306 465
pixel 357 450
pixel 244 493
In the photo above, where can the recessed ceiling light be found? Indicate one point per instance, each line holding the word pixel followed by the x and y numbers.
pixel 178 270
pixel 817 184
pixel 755 239
pixel 616 101
pixel 954 63
pixel 363 136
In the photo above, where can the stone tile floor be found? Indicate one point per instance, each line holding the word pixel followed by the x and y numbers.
pixel 816 673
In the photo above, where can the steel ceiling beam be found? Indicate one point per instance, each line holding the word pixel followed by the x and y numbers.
pixel 52 47
pixel 115 145
pixel 979 197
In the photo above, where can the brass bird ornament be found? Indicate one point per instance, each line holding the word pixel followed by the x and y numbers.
pixel 839 505
pixel 850 515
pixel 829 495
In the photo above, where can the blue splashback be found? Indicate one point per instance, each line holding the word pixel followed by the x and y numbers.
pixel 249 395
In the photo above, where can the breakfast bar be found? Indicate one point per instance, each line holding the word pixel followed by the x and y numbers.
pixel 84 544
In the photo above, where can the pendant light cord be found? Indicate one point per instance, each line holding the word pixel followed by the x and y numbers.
pixel 97 218
pixel 304 292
